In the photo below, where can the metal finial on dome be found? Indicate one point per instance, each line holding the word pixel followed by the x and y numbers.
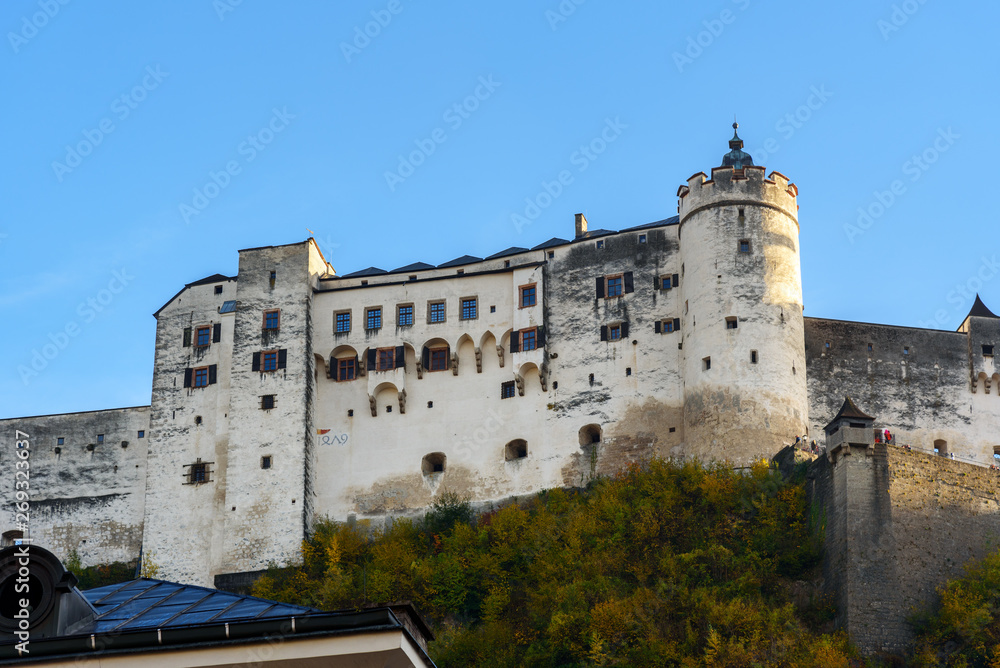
pixel 737 158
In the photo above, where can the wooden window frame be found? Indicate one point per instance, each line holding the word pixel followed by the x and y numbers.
pixel 475 308
pixel 342 364
pixel 607 285
pixel 739 246
pixel 194 376
pixel 447 361
pixel 611 332
pixel 534 295
pixel 399 315
pixel 430 311
pixel 277 324
pixel 368 318
pixel 336 322
pixel 263 360
pixel 534 339
pixel 383 354
pixel 207 329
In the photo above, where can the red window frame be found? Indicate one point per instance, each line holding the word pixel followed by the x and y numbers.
pixel 199 377
pixel 615 333
pixel 277 319
pixel 205 330
pixel 619 283
pixel 528 293
pixel 269 360
pixel 346 369
pixel 438 359
pixel 530 334
pixel 386 359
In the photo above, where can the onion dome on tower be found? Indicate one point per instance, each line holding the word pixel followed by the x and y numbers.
pixel 737 158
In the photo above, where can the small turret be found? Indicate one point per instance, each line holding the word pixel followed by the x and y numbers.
pixel 737 158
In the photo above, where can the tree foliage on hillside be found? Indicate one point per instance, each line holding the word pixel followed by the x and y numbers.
pixel 964 630
pixel 670 565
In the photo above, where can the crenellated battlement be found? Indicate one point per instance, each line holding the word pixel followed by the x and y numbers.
pixel 729 186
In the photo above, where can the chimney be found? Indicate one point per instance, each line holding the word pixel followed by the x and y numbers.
pixel 581 225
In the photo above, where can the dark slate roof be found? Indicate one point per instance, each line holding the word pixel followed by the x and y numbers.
pixel 416 266
pixel 370 271
pixel 673 220
pixel 850 410
pixel 513 250
pixel 554 241
pixel 593 234
pixel 458 261
pixel 155 604
pixel 214 278
pixel 980 311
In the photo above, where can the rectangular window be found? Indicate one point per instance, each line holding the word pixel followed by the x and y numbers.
pixel 373 318
pixel 343 322
pixel 265 462
pixel 404 316
pixel 346 369
pixel 600 244
pixel 142 434
pixel 470 308
pixel 731 322
pixel 386 359
pixel 435 312
pixel 528 338
pixel 507 390
pixel 744 245
pixel 987 351
pixel 271 319
pixel 60 440
pixel 201 377
pixel 527 295
pixel 615 333
pixel 267 402
pixel 642 238
pixel 218 289
pixel 100 438
pixel 439 359
pixel 668 326
pixel 614 286
pixel 203 336
pixel 753 357
pixel 706 363
pixel 270 360
pixel 198 473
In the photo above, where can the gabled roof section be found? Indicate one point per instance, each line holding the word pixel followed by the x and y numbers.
pixel 513 250
pixel 459 261
pixel 554 241
pixel 593 234
pixel 673 220
pixel 979 310
pixel 214 278
pixel 156 604
pixel 370 271
pixel 416 266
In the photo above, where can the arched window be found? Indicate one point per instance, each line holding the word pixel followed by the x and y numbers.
pixel 590 434
pixel 433 463
pixel 941 447
pixel 516 449
pixel 11 537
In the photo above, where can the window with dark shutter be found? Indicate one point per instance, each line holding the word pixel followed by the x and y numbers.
pixel 604 332
pixel 600 287
pixel 256 362
pixel 629 284
pixel 187 377
pixel 187 337
pixel 624 330
pixel 515 342
pixel 372 359
pixel 656 326
pixel 676 280
pixel 656 282
pixel 213 373
pixel 425 358
pixel 540 334
pixel 677 324
pixel 400 357
pixel 216 332
pixel 282 358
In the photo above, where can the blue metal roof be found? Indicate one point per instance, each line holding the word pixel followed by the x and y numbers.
pixel 228 307
pixel 156 604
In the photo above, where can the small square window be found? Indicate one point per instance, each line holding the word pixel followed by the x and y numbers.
pixel 343 322
pixel 615 332
pixel 346 369
pixel 528 339
pixel 642 238
pixel 100 438
pixel 470 308
pixel 706 363
pixel 203 336
pixel 507 390
pixel 528 295
pixel 987 351
pixel 744 245
pixel 60 441
pixel 267 402
pixel 614 287
pixel 430 404
pixel 672 429
pixel 600 243
pixel 436 312
pixel 142 434
pixel 506 264
pixel 271 319
pixel 218 289
pixel 404 315
pixel 373 318
pixel 350 412
pixel 270 361
pixel 731 323
pixel 552 254
pixel 265 462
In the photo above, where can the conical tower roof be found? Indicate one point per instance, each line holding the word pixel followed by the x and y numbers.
pixel 980 311
pixel 849 411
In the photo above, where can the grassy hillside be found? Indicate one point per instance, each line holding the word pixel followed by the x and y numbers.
pixel 671 565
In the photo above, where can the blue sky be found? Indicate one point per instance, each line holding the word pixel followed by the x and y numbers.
pixel 117 116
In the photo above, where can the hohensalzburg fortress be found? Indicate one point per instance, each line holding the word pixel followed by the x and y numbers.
pixel 288 393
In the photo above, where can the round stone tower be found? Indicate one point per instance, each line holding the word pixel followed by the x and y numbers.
pixel 741 316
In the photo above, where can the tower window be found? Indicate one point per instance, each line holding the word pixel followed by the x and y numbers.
pixel 267 402
pixel 870 348
pixel 271 319
pixel 987 351
pixel 906 350
pixel 741 217
pixel 274 277
pixel 753 357
pixel 744 245
pixel 731 322
pixel 706 363
pixel 198 473
pixel 265 462
pixel 552 254
pixel 142 433
pixel 60 440
pixel 516 449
